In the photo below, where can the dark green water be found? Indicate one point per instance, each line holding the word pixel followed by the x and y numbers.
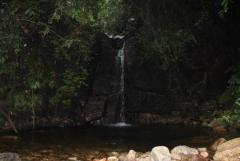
pixel 61 143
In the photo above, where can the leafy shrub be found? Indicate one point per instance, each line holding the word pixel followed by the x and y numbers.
pixel 231 98
pixel 46 49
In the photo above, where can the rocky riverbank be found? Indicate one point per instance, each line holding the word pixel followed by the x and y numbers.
pixel 221 150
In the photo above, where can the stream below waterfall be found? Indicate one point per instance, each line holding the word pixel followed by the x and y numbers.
pixel 61 143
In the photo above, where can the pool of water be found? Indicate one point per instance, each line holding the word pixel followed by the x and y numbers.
pixel 61 143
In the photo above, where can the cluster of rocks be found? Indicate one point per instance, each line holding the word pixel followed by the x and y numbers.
pixel 162 153
pixel 221 150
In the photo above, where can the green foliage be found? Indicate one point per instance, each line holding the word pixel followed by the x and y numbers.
pixel 226 118
pixel 231 99
pixel 46 46
pixel 230 117
pixel 102 14
pixel 110 15
pixel 231 95
pixel 165 38
pixel 25 101
pixel 167 47
pixel 225 4
pixel 182 40
pixel 46 49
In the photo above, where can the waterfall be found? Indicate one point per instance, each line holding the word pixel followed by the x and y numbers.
pixel 120 60
pixel 121 56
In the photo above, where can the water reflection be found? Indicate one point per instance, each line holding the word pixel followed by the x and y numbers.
pixel 80 142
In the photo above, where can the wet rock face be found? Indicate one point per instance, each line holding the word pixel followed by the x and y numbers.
pixel 103 101
pixel 9 157
pixel 197 74
pixel 106 74
pixel 143 76
pixel 142 87
pixel 146 86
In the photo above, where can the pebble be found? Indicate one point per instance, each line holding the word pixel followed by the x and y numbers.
pixel 112 159
pixel 73 159
pixel 204 154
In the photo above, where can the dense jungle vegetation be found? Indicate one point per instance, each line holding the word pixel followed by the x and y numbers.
pixel 47 50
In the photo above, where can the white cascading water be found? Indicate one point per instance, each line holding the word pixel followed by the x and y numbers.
pixel 121 56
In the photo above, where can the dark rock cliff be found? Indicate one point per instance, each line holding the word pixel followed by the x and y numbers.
pixel 103 104
pixel 200 75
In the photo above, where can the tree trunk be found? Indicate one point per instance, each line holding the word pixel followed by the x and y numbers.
pixel 7 114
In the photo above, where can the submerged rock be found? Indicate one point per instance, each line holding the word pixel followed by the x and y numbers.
pixel 9 157
pixel 160 153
